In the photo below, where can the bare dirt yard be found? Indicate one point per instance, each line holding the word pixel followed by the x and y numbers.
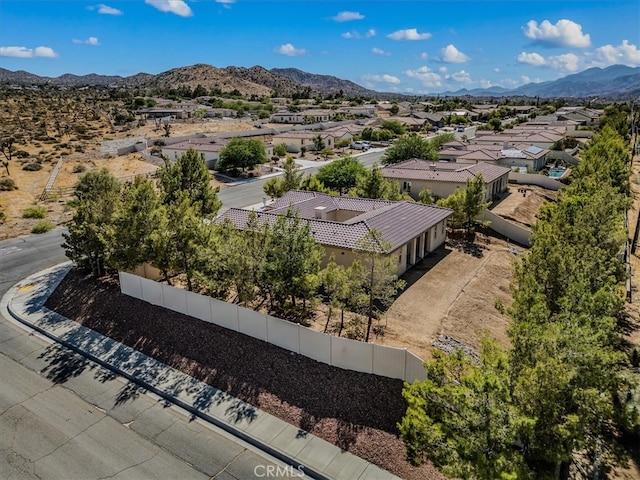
pixel 523 203
pixel 32 183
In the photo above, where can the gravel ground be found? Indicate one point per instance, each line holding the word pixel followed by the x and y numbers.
pixel 355 411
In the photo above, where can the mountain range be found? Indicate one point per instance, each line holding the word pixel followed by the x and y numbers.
pixel 616 81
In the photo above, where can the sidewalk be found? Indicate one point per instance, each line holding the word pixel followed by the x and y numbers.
pixel 315 457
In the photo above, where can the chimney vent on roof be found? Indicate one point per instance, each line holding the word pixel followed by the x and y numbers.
pixel 320 213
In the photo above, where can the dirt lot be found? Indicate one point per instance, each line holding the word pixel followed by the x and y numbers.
pixel 451 293
pixel 31 184
pixel 523 208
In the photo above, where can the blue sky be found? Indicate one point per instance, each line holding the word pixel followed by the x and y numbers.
pixel 404 46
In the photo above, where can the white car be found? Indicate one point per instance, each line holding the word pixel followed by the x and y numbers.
pixel 360 145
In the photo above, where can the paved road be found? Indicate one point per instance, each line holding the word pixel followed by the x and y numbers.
pixel 62 417
pixel 251 193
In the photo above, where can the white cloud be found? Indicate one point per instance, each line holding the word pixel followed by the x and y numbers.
pixel 347 17
pixel 428 78
pixel 179 7
pixel 24 52
pixel 497 70
pixel 533 58
pixel 567 62
pixel 289 50
pixel 451 54
pixel 368 34
pixel 226 3
pixel 442 69
pixel 386 78
pixel 89 41
pixel 564 33
pixel 107 10
pixel 525 79
pixel 409 34
pixel 626 53
pixel 424 56
pixel 462 77
pixel 379 51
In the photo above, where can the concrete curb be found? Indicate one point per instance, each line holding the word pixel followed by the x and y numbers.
pixel 24 302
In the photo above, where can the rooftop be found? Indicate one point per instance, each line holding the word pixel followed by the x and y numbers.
pixel 417 169
pixel 399 222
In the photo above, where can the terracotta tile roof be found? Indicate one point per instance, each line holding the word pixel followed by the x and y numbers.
pixel 416 169
pixel 399 222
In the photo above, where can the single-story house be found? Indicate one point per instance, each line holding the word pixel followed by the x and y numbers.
pixel 530 157
pixel 442 178
pixel 209 149
pixel 340 223
pixel 542 139
pixel 305 116
pixel 295 140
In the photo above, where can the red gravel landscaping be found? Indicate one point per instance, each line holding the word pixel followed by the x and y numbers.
pixel 355 411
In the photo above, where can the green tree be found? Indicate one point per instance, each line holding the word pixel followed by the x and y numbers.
pixel 342 174
pixel 242 153
pixel 462 416
pixel 372 184
pixel 280 150
pixel 135 222
pixel 318 143
pixel 408 147
pixel 189 174
pixel 441 139
pixel 378 276
pixel 467 204
pixel 291 180
pixel 393 125
pixel 293 261
pixel 425 196
pixel 92 229
pixel 312 184
pixel 335 286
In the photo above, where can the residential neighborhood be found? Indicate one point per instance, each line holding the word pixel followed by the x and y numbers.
pixel 224 248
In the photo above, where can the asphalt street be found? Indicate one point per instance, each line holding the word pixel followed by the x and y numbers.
pixel 62 417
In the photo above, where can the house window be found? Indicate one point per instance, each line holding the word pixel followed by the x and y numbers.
pixel 400 259
pixel 406 187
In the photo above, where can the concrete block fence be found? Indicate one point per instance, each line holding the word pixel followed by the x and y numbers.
pixel 337 351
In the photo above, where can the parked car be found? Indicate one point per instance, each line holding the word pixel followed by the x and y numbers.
pixel 461 129
pixel 360 145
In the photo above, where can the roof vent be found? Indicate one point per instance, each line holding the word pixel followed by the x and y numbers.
pixel 320 213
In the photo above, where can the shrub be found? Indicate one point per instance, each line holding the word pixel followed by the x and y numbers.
pixel 22 154
pixel 34 212
pixel 79 168
pixel 32 167
pixel 7 184
pixel 43 226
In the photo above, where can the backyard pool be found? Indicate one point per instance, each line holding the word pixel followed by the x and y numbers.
pixel 558 172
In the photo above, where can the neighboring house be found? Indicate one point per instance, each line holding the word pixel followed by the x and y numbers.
pixel 339 223
pixel 442 179
pixel 359 110
pixel 157 112
pixel 305 116
pixel 209 149
pixel 527 156
pixel 542 139
pixel 295 140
